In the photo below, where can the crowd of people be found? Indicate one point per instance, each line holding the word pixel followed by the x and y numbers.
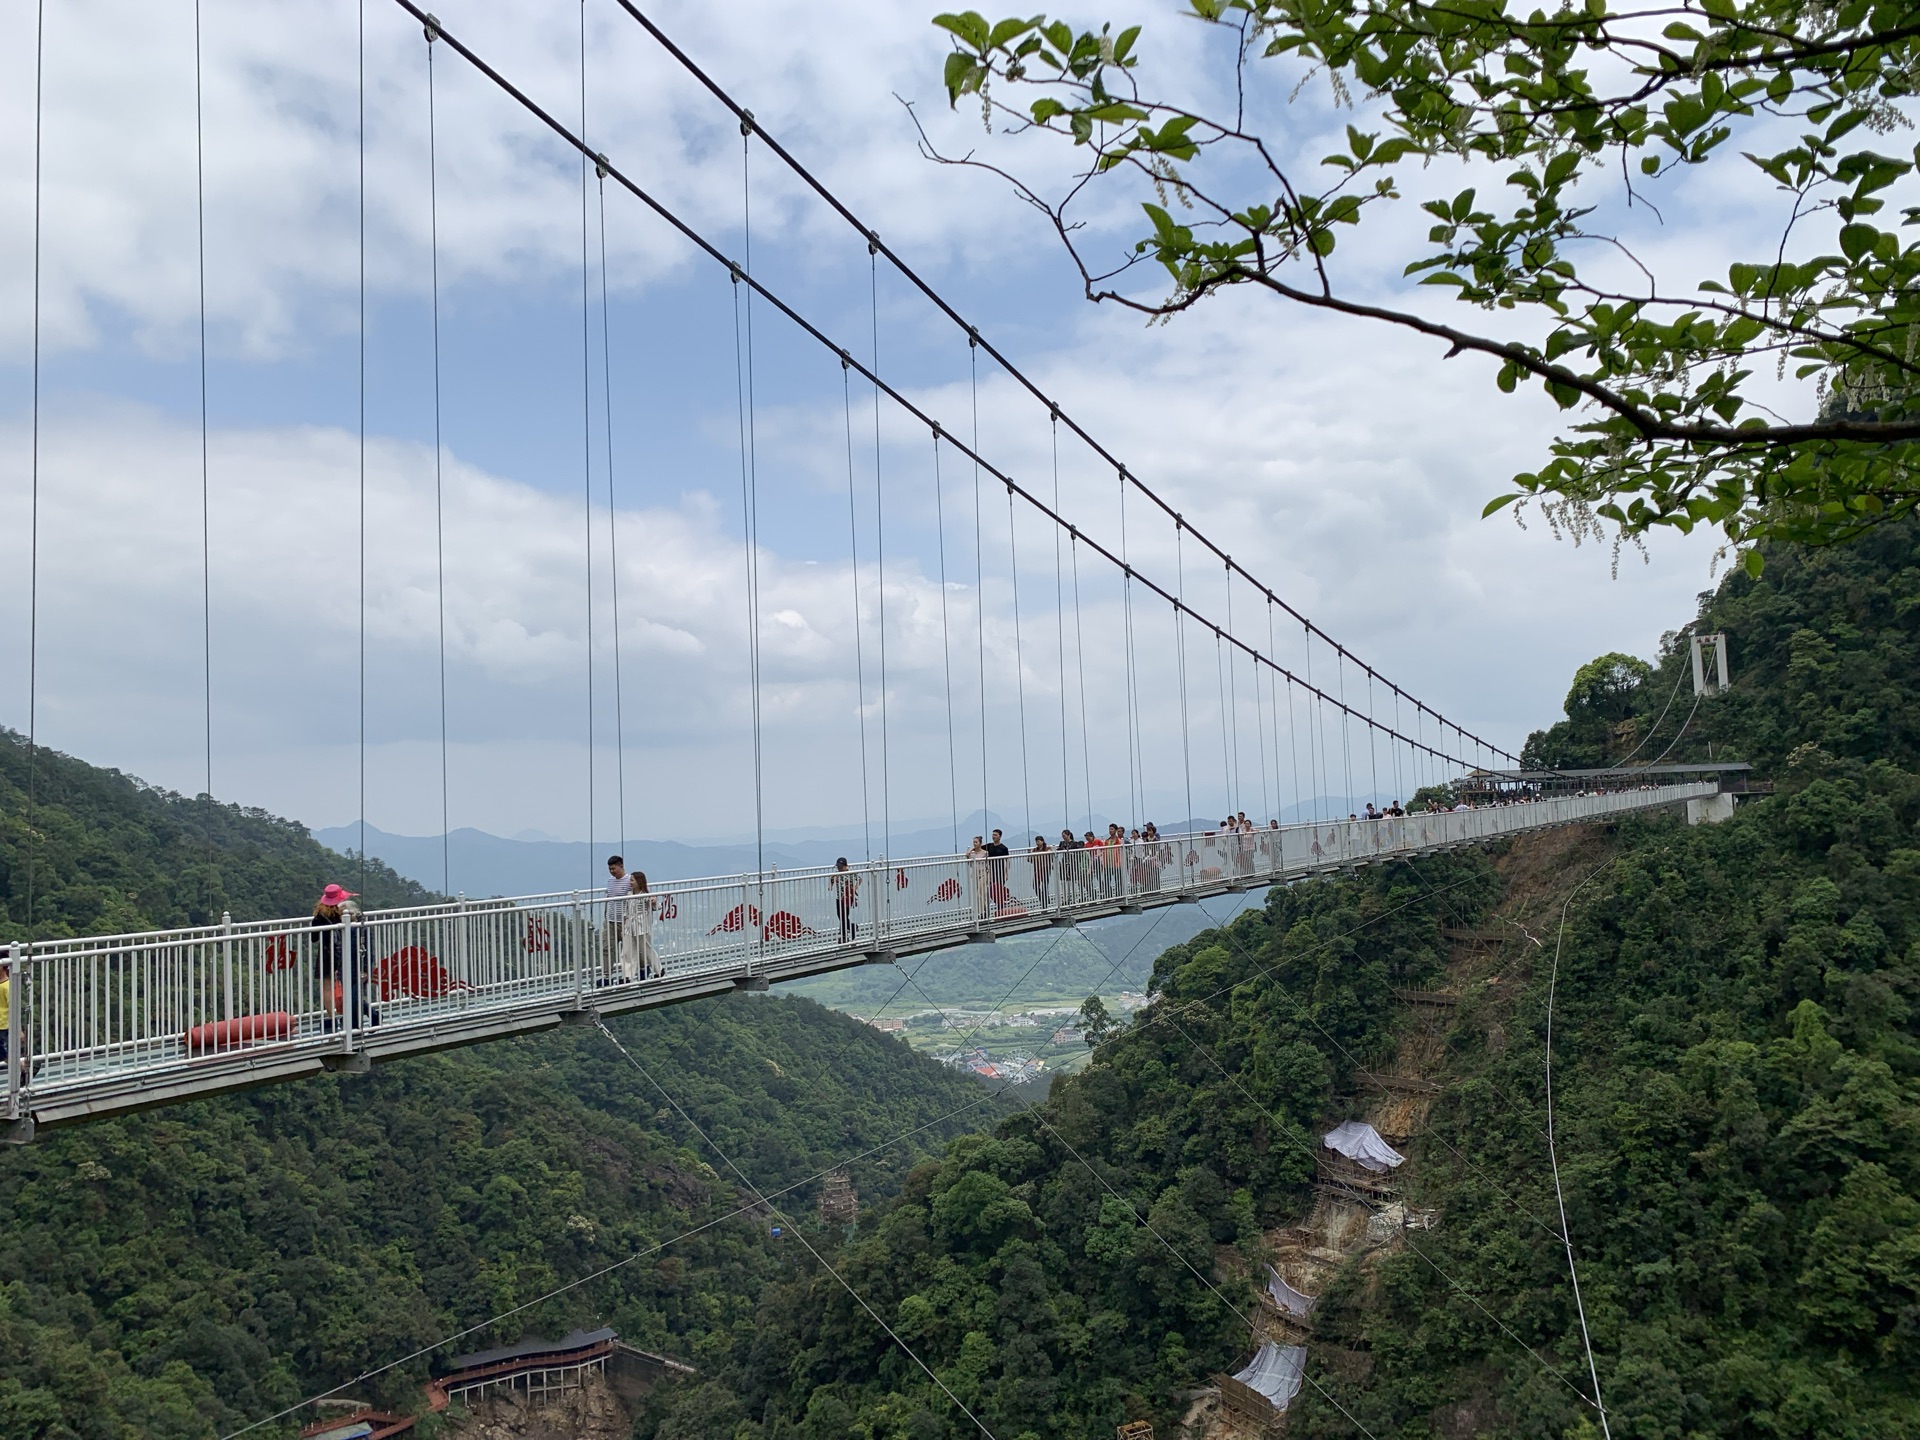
pixel 1075 869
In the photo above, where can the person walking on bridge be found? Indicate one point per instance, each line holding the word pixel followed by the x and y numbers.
pixel 846 895
pixel 332 974
pixel 619 887
pixel 1041 859
pixel 636 913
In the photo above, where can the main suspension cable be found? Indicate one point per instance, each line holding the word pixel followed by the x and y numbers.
pixel 742 277
pixel 940 303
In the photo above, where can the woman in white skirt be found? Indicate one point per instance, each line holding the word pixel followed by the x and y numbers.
pixel 637 960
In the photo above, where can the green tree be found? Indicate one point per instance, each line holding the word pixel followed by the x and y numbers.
pixel 1579 112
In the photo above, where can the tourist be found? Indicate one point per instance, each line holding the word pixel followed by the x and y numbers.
pixel 619 887
pixel 1041 859
pixel 997 853
pixel 1094 859
pixel 1070 862
pixel 637 960
pixel 977 875
pixel 846 895
pixel 328 921
pixel 6 1014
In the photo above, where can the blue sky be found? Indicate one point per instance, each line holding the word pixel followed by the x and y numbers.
pixel 1346 464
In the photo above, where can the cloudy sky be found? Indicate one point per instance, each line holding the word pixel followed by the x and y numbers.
pixel 1343 464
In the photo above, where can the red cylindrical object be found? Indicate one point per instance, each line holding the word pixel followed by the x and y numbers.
pixel 241 1030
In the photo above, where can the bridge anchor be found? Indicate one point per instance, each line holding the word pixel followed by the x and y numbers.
pixel 750 985
pixel 354 1062
pixel 17 1132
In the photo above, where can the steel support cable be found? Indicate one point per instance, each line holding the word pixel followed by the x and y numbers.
pixel 613 522
pixel 1346 729
pixel 1678 681
pixel 1136 752
pixel 434 33
pixel 33 495
pixel 206 496
pixel 1553 1151
pixel 1019 662
pixel 1260 736
pixel 859 623
pixel 979 582
pixel 1180 659
pixel 706 247
pixel 1678 733
pixel 749 477
pixel 1080 665
pixel 1314 764
pixel 798 1233
pixel 946 637
pixel 1373 751
pixel 1229 776
pixel 880 560
pixel 1060 632
pixel 1293 739
pixel 586 432
pixel 1233 697
pixel 940 303
pixel 569 1286
pixel 361 139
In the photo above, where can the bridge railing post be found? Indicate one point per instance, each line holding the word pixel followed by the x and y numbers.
pixel 17 996
pixel 347 963
pixel 580 946
pixel 226 964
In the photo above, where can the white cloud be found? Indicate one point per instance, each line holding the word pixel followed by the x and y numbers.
pixel 1338 460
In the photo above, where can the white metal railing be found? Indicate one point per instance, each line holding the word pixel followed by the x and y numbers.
pixel 99 1021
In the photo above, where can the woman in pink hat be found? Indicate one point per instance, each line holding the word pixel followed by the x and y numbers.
pixel 327 919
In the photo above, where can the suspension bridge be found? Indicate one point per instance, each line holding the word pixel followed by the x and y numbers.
pixel 122 1022
pixel 102 1024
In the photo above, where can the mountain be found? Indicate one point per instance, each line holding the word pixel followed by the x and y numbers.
pixel 1736 1117
pixel 181 1273
pixel 93 851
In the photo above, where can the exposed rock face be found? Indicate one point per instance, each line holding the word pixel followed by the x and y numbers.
pixel 593 1412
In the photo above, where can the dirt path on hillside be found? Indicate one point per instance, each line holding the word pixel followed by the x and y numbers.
pixel 1486 964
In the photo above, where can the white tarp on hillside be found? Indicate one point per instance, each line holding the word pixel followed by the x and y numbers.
pixel 1361 1143
pixel 1276 1372
pixel 1286 1297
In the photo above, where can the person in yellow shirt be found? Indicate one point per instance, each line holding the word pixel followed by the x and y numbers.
pixel 6 1013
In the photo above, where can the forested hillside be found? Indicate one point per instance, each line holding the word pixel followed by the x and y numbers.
pixel 181 1273
pixel 1738 1115
pixel 107 853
